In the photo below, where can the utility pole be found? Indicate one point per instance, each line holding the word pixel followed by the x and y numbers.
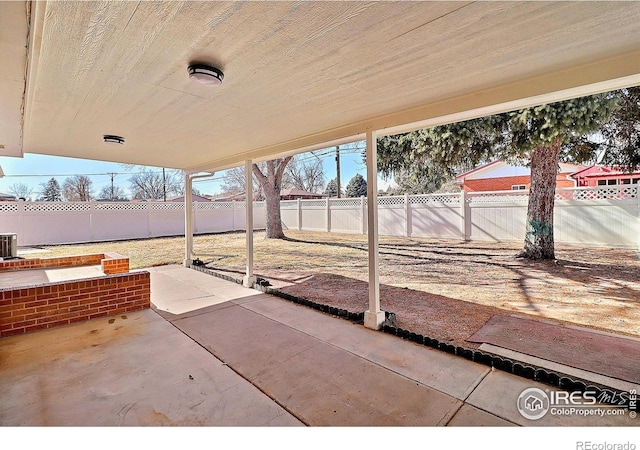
pixel 338 168
pixel 164 186
pixel 112 175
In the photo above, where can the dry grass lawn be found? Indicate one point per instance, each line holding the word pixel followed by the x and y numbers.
pixel 440 288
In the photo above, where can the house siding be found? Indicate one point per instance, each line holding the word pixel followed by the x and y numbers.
pixel 505 183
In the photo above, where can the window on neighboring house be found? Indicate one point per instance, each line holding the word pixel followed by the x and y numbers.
pixel 625 181
pixel 519 187
pixel 612 182
pixel 635 181
pixel 602 182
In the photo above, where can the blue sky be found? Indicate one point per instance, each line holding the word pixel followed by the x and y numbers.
pixel 33 170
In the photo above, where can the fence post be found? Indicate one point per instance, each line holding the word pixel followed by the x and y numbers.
pixel 328 213
pixel 91 221
pixel 407 216
pixel 147 206
pixel 463 214
pixel 233 215
pixel 299 214
pixel 363 214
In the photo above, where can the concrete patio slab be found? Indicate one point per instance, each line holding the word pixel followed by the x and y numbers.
pixel 341 389
pixel 177 290
pixel 253 359
pixel 470 416
pixel 133 370
pixel 499 392
pixel 447 373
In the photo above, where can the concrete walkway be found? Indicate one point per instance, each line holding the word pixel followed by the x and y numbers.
pixel 216 354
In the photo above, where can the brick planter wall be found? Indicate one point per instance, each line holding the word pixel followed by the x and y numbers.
pixel 48 263
pixel 111 263
pixel 46 306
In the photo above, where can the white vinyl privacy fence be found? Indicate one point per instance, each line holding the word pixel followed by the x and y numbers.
pixel 40 223
pixel 602 216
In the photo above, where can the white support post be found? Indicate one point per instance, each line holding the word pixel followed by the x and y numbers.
pixel 299 214
pixel 407 216
pixel 233 215
pixel 328 215
pixel 363 214
pixel 188 220
pixel 373 317
pixel 249 280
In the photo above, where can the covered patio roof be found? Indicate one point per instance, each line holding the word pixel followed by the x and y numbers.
pixel 297 75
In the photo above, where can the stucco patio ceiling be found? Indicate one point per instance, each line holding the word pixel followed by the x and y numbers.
pixel 297 75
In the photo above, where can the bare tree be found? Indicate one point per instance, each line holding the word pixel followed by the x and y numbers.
pixel 151 185
pixel 235 182
pixel 21 190
pixel 113 193
pixel 304 174
pixel 77 189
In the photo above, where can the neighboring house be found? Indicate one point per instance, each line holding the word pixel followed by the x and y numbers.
pixel 604 176
pixel 294 194
pixel 501 176
pixel 227 197
pixel 285 194
pixel 195 198
pixel 7 197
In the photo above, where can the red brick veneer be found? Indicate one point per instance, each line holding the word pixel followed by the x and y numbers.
pixel 111 263
pixel 44 263
pixel 50 305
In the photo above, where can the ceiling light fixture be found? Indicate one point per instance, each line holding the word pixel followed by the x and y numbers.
pixel 207 75
pixel 113 140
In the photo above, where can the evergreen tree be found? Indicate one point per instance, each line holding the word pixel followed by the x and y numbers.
pixel 51 191
pixel 357 187
pixel 539 136
pixel 622 131
pixel 332 188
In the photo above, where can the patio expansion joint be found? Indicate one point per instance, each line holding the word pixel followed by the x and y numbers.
pixel 320 341
pixel 240 374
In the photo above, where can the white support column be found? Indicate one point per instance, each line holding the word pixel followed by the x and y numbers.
pixel 327 212
pixel 249 280
pixel 188 220
pixel 363 214
pixel 373 317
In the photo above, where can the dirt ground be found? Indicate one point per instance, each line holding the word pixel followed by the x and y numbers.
pixel 444 289
pixel 448 289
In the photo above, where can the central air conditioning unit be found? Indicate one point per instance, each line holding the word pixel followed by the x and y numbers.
pixel 8 245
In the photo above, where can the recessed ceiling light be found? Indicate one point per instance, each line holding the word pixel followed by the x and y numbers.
pixel 207 75
pixel 113 140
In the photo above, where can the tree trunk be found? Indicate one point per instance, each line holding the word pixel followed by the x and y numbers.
pixel 274 220
pixel 271 184
pixel 538 241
